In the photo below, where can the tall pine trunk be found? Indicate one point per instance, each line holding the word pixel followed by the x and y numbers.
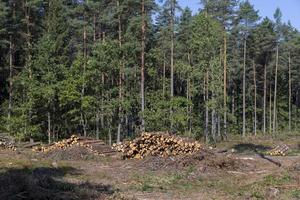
pixel 10 89
pixel 120 78
pixel 265 98
pixel 290 94
pixel 275 92
pixel 49 127
pixel 206 106
pixel 244 88
pixel 172 57
pixel 255 94
pixel 270 110
pixel 225 84
pixel 82 115
pixel 143 66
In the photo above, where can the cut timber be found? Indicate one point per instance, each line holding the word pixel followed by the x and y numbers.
pixel 98 147
pixel 157 144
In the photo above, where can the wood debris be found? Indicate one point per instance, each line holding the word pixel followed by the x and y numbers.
pixel 74 140
pixel 157 144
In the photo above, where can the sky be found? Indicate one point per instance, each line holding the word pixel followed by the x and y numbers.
pixel 290 8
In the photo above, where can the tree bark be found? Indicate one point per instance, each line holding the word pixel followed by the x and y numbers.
pixel 255 94
pixel 49 127
pixel 164 77
pixel 225 84
pixel 244 88
pixel 120 78
pixel 143 66
pixel 270 110
pixel 290 94
pixel 265 98
pixel 275 92
pixel 172 57
pixel 206 106
pixel 10 89
pixel 97 124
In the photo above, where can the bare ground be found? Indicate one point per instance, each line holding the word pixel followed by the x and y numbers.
pixel 235 170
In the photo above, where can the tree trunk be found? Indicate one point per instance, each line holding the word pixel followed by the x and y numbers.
pixel 172 47
pixel 206 106
pixel 275 92
pixel 120 78
pixel 109 137
pixel 49 127
pixel 270 110
pixel 255 94
pixel 82 117
pixel 172 57
pixel 143 66
pixel 225 84
pixel 265 98
pixel 10 89
pixel 164 77
pixel 213 125
pixel 290 94
pixel 244 88
pixel 97 124
pixel 188 96
pixel 94 27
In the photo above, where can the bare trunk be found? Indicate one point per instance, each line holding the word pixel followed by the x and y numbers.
pixel 290 94
pixel 119 135
pixel 206 106
pixel 172 47
pixel 265 98
pixel 233 102
pixel 164 77
pixel 102 103
pixel 275 92
pixel 10 89
pixel 109 137
pixel 82 117
pixel 120 78
pixel 94 27
pixel 172 58
pixel 188 96
pixel 49 127
pixel 255 92
pixel 97 124
pixel 213 125
pixel 270 110
pixel 143 66
pixel 244 88
pixel 225 84
pixel 219 126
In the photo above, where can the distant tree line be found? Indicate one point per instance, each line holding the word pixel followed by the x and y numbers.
pixel 110 69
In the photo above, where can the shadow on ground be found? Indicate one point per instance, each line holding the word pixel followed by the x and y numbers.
pixel 250 148
pixel 48 183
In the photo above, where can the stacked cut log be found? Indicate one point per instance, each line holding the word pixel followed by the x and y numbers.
pixel 157 144
pixel 6 142
pixel 278 151
pixel 71 142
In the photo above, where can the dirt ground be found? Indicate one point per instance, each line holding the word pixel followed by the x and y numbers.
pixel 234 170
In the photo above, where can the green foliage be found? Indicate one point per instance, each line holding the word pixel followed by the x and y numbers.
pixel 80 62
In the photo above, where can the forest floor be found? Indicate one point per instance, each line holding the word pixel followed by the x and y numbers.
pixel 236 169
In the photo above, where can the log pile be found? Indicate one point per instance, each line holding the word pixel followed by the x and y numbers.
pixel 71 142
pixel 6 142
pixel 157 144
pixel 278 151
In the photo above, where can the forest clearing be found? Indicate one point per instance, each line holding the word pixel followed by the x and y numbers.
pixel 149 99
pixel 234 170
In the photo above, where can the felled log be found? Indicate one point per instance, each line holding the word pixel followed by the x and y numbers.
pixel 157 144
